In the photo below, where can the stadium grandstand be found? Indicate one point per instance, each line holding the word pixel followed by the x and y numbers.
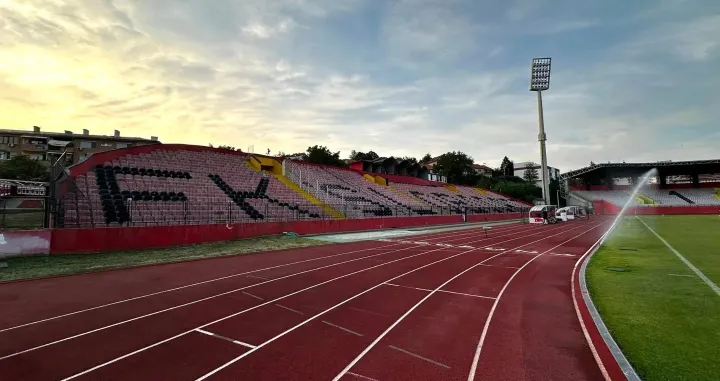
pixel 676 184
pixel 182 185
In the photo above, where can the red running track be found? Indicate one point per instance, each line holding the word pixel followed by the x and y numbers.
pixel 445 306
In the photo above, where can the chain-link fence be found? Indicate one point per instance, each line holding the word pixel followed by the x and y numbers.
pixel 168 209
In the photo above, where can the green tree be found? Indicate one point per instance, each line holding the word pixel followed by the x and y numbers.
pixel 24 168
pixel 225 147
pixel 409 158
pixel 457 167
pixel 521 190
pixel 322 155
pixel 359 155
pixel 507 167
pixel 426 159
pixel 531 173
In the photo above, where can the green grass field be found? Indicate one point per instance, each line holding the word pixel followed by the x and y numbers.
pixel 663 316
pixel 48 265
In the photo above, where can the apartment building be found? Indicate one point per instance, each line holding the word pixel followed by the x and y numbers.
pixel 49 146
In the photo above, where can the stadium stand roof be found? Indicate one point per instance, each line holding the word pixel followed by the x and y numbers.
pixel 669 167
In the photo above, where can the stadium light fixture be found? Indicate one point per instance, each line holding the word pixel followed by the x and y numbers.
pixel 539 82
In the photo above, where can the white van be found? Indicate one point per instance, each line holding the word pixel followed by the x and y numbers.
pixel 536 213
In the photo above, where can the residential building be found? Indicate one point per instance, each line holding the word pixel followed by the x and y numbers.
pixel 519 168
pixel 49 146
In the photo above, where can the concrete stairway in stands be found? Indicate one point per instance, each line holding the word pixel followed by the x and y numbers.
pixel 312 199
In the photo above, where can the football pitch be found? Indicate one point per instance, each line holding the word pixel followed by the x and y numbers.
pixel 655 283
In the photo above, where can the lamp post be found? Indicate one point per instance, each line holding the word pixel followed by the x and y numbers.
pixel 539 82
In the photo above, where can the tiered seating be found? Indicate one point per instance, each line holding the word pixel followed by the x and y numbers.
pixel 465 197
pixel 181 187
pixel 492 200
pixel 350 193
pixel 619 197
pixel 170 187
pixel 703 196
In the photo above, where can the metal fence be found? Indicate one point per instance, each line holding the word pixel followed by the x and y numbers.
pixel 23 212
pixel 71 213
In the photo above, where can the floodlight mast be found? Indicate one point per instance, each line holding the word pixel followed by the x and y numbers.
pixel 539 82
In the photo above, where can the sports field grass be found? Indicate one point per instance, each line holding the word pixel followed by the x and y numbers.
pixel 48 265
pixel 664 317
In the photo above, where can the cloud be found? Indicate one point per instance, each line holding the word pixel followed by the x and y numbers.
pixel 631 81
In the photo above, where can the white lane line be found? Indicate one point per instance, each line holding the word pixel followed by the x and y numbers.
pixel 233 276
pixel 413 308
pixel 361 376
pixel 578 277
pixel 238 342
pixel 187 286
pixel 233 315
pixel 418 356
pixel 289 309
pixel 342 328
pixel 195 302
pixel 288 295
pixel 351 298
pixel 502 267
pixel 369 312
pixel 687 263
pixel 478 350
pixel 251 295
pixel 446 291
pixel 257 277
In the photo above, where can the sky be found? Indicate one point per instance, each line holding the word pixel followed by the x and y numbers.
pixel 631 80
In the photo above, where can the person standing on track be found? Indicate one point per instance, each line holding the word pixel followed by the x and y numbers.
pixel 545 216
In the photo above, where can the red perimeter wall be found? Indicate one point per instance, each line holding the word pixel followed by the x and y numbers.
pixel 604 207
pixel 93 240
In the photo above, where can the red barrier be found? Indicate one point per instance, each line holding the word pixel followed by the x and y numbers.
pixel 493 217
pixel 24 242
pixel 93 240
pixel 604 207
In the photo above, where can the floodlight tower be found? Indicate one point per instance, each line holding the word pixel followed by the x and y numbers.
pixel 539 82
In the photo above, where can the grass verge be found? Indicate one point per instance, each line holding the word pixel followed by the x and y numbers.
pixel 661 314
pixel 42 266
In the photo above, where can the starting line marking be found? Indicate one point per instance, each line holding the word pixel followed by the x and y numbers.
pixel 361 376
pixel 563 255
pixel 251 295
pixel 342 328
pixel 289 309
pixel 418 356
pixel 449 292
pixel 225 338
pixel 257 277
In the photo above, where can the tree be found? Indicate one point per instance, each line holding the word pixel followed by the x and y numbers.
pixel 322 155
pixel 24 168
pixel 531 173
pixel 457 167
pixel 225 147
pixel 507 167
pixel 410 159
pixel 521 190
pixel 358 155
pixel 426 159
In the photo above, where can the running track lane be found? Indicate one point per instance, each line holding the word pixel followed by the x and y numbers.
pixel 24 337
pixel 315 347
pixel 438 340
pixel 78 353
pixel 32 301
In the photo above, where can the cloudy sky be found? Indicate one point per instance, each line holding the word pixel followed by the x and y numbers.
pixel 632 80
